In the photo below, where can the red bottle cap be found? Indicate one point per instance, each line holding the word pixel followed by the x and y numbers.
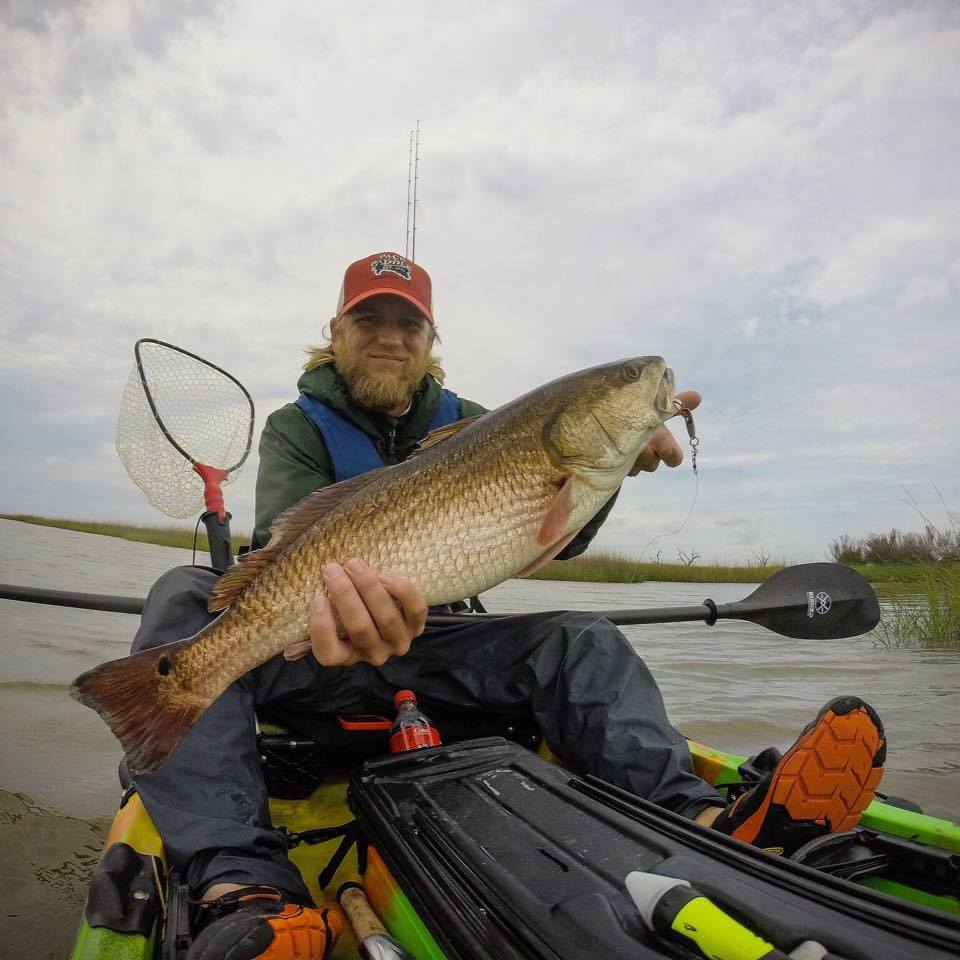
pixel 404 696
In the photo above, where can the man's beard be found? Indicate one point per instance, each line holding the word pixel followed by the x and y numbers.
pixel 386 390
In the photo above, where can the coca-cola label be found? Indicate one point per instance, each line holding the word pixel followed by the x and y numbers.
pixel 413 738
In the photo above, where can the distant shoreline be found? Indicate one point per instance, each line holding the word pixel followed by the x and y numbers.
pixel 596 567
pixel 181 537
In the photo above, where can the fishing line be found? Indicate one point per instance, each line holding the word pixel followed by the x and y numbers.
pixel 694 446
pixel 687 415
pixel 673 533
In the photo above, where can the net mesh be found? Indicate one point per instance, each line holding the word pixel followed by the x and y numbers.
pixel 205 412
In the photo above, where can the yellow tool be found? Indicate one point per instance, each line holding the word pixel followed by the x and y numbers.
pixel 678 911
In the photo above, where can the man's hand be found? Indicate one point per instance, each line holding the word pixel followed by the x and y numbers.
pixel 379 614
pixel 663 446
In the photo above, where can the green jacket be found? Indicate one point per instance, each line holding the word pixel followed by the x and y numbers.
pixel 294 460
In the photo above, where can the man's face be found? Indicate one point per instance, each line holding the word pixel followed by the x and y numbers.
pixel 382 350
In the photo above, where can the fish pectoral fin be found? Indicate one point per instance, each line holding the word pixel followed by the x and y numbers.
pixel 554 526
pixel 545 557
pixel 294 651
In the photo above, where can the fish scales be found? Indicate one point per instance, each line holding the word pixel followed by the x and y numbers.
pixel 495 498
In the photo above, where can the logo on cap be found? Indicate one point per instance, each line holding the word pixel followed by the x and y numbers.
pixel 391 263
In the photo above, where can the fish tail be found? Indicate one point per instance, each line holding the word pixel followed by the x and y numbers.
pixel 143 702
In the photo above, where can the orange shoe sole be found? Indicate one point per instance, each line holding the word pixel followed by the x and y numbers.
pixel 300 934
pixel 828 776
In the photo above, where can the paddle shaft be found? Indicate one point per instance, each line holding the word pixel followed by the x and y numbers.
pixel 708 612
pixel 809 601
pixel 66 598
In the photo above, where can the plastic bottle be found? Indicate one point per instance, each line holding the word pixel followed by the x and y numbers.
pixel 411 730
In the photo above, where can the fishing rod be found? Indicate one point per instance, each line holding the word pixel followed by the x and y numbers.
pixel 808 601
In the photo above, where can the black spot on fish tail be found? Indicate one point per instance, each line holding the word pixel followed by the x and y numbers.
pixel 143 702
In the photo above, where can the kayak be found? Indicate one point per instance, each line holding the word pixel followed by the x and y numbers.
pixel 486 848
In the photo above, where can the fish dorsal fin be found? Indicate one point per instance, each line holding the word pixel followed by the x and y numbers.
pixel 443 433
pixel 286 529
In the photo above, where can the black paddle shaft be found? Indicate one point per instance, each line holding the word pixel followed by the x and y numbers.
pixel 67 598
pixel 811 601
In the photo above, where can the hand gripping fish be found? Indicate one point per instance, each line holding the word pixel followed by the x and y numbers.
pixel 485 499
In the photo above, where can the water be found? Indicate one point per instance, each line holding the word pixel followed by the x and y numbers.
pixel 734 686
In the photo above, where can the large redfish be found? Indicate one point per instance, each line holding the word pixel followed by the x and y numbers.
pixel 485 499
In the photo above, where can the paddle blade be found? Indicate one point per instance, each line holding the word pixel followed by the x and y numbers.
pixel 812 601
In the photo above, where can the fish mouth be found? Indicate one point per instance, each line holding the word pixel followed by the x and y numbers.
pixel 665 392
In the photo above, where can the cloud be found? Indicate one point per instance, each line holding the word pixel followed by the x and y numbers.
pixel 768 200
pixel 925 290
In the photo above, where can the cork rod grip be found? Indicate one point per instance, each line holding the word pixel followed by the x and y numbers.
pixel 355 905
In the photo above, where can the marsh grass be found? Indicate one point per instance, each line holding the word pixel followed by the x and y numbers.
pixel 612 567
pixel 922 610
pixel 162 536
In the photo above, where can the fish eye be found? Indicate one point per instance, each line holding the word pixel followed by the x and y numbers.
pixel 631 371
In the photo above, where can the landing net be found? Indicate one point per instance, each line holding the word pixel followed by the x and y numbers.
pixel 179 410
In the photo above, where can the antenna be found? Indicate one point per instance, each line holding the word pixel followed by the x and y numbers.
pixel 406 249
pixel 416 177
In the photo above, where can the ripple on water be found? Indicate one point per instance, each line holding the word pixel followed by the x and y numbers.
pixel 48 861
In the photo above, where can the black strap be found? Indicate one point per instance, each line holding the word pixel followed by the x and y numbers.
pixel 351 833
pixel 352 836
pixel 210 910
pixel 318 835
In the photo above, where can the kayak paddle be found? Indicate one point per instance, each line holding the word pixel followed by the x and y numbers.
pixel 809 601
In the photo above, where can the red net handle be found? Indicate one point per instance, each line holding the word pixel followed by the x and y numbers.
pixel 212 492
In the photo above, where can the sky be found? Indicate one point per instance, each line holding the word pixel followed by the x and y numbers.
pixel 766 194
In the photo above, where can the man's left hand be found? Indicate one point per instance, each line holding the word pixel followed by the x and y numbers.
pixel 379 614
pixel 663 446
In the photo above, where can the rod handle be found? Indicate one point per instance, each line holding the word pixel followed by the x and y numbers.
pixel 357 907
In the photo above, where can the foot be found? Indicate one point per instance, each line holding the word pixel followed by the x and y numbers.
pixel 822 784
pixel 259 922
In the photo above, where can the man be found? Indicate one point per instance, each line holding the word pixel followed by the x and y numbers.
pixel 366 399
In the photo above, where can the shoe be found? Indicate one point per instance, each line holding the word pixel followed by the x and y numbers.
pixel 259 923
pixel 822 784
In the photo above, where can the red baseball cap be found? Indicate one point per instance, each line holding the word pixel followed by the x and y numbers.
pixel 386 273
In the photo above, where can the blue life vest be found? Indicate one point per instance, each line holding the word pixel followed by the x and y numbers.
pixel 351 451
